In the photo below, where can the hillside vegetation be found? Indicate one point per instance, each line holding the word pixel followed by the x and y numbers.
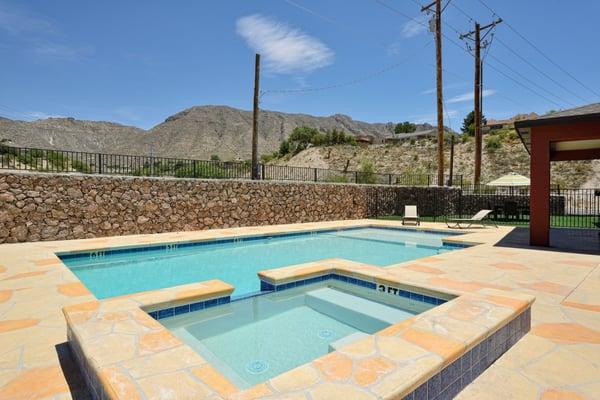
pixel 503 153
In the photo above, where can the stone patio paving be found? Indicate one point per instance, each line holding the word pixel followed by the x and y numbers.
pixel 558 359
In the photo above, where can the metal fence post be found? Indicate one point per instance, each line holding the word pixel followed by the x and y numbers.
pixel 389 179
pixel 99 163
pixel 316 175
pixel 355 176
pixel 262 171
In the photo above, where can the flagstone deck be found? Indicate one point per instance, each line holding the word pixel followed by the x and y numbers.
pixel 558 359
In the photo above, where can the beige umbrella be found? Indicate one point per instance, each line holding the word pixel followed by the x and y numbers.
pixel 511 180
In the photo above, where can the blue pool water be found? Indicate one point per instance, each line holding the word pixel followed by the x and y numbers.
pixel 255 339
pixel 113 273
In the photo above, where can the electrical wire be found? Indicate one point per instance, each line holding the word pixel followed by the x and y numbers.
pixel 353 81
pixel 537 49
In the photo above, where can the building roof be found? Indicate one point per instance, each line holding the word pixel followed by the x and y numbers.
pixel 590 112
pixel 583 113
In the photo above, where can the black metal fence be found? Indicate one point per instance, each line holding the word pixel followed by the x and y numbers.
pixel 47 160
pixel 572 208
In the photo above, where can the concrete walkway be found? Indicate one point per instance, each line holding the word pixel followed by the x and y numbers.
pixel 558 359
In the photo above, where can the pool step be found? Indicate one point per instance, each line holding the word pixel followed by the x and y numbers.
pixel 365 315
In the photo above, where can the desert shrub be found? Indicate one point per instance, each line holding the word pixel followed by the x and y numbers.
pixel 493 143
pixel 366 172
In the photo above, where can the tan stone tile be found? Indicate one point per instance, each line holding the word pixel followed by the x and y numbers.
pixel 170 360
pixel 24 275
pixel 369 370
pixel 15 324
pixel 334 366
pixel 119 384
pixel 298 378
pixel 110 349
pixel 449 349
pixel 489 386
pixel 559 394
pixel 173 385
pixel 361 348
pixel 328 391
pixel 154 342
pixel 215 380
pixel 255 392
pixel 73 289
pixel 562 367
pixel 35 383
pixel 407 377
pixel 567 333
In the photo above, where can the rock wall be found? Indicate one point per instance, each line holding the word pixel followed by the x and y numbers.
pixel 42 206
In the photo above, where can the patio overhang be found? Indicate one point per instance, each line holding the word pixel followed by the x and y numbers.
pixel 562 136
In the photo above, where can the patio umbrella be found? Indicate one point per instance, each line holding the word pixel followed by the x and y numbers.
pixel 510 180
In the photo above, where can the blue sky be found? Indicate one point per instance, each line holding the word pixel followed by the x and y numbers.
pixel 137 62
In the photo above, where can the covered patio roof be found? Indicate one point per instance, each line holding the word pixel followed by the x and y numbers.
pixel 572 134
pixel 563 149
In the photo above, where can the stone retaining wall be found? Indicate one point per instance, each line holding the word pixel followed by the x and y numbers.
pixel 37 206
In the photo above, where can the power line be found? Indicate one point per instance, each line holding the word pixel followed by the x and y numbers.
pixel 541 52
pixel 395 10
pixel 540 71
pixel 353 81
pixel 514 71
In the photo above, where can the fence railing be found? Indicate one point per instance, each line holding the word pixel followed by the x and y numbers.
pixel 569 208
pixel 47 160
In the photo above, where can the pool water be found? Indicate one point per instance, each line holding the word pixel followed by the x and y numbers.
pixel 114 273
pixel 255 339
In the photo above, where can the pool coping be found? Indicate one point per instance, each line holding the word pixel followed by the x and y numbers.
pixel 450 240
pixel 122 349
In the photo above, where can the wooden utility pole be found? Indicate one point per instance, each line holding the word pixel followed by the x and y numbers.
pixel 451 170
pixel 440 99
pixel 477 110
pixel 477 93
pixel 255 174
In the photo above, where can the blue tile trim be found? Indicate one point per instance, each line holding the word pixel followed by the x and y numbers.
pixel 453 378
pixel 181 245
pixel 186 308
pixel 266 286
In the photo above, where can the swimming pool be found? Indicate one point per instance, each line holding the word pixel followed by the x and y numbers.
pixel 255 339
pixel 114 272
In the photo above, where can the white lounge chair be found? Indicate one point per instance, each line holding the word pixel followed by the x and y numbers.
pixel 478 219
pixel 411 215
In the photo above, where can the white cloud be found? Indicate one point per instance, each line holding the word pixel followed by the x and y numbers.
pixel 414 27
pixel 469 96
pixel 284 49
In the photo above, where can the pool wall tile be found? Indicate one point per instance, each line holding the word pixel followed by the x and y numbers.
pixel 169 247
pixel 447 383
pixel 186 308
pixel 267 286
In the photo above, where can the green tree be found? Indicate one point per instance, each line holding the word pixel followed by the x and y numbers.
pixel 215 157
pixel 468 126
pixel 404 127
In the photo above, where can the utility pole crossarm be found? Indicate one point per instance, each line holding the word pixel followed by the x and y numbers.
pixel 475 36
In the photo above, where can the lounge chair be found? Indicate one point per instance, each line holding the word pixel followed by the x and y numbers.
pixel 478 219
pixel 411 215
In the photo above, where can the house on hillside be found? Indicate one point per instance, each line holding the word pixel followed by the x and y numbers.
pixel 508 123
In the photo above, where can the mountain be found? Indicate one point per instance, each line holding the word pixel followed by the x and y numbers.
pixel 197 132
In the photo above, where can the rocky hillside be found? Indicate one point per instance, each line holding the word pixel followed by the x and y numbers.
pixel 419 157
pixel 197 132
